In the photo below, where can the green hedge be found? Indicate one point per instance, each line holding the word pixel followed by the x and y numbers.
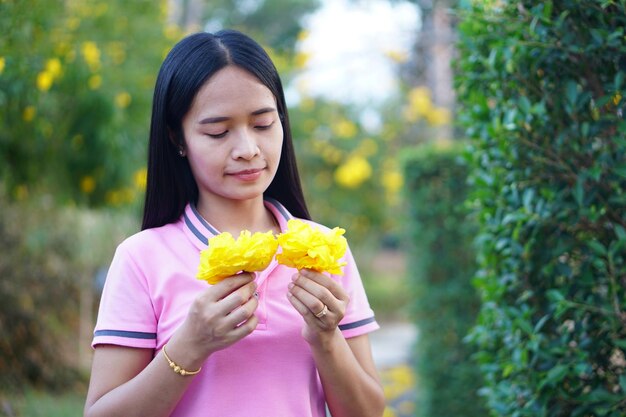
pixel 442 263
pixel 541 86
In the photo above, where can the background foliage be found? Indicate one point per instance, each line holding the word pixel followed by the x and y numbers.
pixel 76 81
pixel 542 87
pixel 445 304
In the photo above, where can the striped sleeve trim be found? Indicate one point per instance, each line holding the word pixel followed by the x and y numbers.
pixel 123 333
pixel 356 324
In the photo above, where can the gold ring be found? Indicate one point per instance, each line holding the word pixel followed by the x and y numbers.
pixel 323 312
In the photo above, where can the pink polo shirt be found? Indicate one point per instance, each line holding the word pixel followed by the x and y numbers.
pixel 149 288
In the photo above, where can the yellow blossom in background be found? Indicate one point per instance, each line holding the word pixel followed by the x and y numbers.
pixel 367 147
pixel 419 103
pixel 21 192
pixel 302 35
pixel 226 256
pixel 307 247
pixel 44 81
pixel 344 129
pixel 331 154
pixel 72 23
pixel 61 48
pixel 91 55
pixel 392 181
pixel 2 64
pixel 616 98
pixel 301 59
pixel 438 116
pixel 29 113
pixel 94 82
pixel 117 52
pixel 120 196
pixel 172 32
pixel 100 9
pixel 140 178
pixel 353 172
pixel 87 184
pixel 397 56
pixel 53 67
pixel 123 99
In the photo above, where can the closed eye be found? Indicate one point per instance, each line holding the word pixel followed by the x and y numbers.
pixel 217 135
pixel 264 127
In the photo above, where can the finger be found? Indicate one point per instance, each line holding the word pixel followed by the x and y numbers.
pixel 238 297
pixel 228 285
pixel 325 281
pixel 241 314
pixel 244 329
pixel 304 311
pixel 315 289
pixel 312 302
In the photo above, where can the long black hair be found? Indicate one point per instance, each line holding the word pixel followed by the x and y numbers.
pixel 186 68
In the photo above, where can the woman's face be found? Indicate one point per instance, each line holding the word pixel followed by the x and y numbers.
pixel 233 137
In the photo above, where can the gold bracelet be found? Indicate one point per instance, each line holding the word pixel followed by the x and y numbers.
pixel 176 368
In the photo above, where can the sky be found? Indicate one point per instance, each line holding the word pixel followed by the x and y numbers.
pixel 350 45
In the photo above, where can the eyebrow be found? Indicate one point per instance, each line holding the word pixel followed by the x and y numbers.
pixel 210 120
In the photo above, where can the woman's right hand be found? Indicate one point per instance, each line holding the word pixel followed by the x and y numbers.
pixel 219 317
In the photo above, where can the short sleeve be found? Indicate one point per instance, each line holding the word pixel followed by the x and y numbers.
pixel 126 315
pixel 359 318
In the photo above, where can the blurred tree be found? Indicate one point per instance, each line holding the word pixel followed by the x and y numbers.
pixel 75 86
pixel 275 23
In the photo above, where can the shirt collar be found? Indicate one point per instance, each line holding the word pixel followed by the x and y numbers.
pixel 199 230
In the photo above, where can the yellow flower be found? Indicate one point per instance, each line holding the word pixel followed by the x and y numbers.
pixel 419 104
pixel 29 113
pixel 392 181
pixel 306 247
pixel 87 184
pixel 344 129
pixel 140 178
pixel 353 172
pixel 53 67
pixel 438 116
pixel 44 81
pixel 2 64
pixel 226 256
pixel 91 54
pixel 94 82
pixel 301 59
pixel 123 99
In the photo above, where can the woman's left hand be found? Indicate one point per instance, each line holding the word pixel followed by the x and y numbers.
pixel 321 301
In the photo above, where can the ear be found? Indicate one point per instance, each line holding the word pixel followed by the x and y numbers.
pixel 179 143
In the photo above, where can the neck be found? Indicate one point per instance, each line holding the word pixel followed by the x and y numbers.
pixel 233 216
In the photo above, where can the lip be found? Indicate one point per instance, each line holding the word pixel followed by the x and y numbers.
pixel 246 174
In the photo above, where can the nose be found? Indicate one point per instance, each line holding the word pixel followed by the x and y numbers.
pixel 245 145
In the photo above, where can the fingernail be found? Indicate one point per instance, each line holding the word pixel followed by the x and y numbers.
pixel 256 294
pixel 291 285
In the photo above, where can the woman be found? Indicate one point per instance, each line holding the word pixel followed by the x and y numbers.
pixel 280 342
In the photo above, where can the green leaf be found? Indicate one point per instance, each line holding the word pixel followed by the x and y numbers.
pixel 555 375
pixel 621 171
pixel 597 247
pixel 571 92
pixel 579 190
pixel 619 80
